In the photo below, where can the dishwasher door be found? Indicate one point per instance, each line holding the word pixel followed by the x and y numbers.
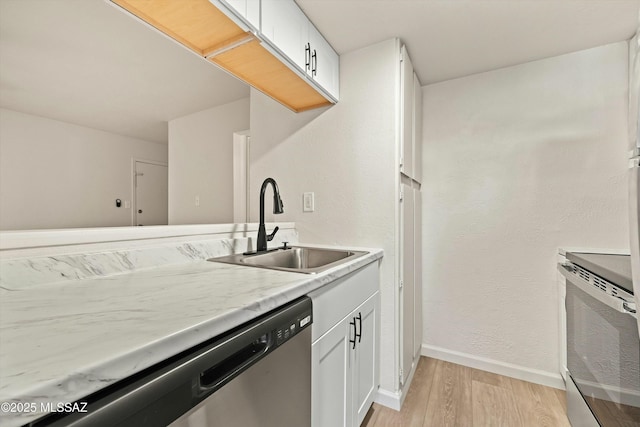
pixel 275 392
pixel 258 374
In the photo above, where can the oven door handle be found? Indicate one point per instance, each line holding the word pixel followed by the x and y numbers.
pixel 616 303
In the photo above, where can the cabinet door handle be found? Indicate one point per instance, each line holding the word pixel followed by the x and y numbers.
pixel 359 335
pixel 307 56
pixel 353 341
pixel 314 61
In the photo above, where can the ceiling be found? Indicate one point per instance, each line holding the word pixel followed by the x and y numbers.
pixel 88 63
pixel 448 39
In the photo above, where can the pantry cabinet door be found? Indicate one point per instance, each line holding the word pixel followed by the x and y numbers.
pixel 417 278
pixel 417 129
pixel 406 113
pixel 407 291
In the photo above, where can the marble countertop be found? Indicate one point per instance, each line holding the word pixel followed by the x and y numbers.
pixel 62 342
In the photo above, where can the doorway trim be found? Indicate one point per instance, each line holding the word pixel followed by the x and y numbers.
pixel 134 203
pixel 241 170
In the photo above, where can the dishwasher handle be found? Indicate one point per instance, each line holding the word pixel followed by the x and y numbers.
pixel 220 374
pixel 160 394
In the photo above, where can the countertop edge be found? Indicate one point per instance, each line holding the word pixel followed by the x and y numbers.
pixel 92 378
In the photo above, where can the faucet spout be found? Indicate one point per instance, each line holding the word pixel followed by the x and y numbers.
pixel 278 208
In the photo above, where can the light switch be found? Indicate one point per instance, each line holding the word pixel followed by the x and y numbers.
pixel 127 204
pixel 308 202
pixel 197 201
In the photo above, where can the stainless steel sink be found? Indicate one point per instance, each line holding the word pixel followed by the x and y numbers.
pixel 297 259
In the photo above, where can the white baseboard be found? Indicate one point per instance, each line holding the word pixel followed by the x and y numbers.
pixel 549 379
pixel 395 399
pixel 390 399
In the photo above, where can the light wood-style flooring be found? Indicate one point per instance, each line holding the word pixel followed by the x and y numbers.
pixel 444 394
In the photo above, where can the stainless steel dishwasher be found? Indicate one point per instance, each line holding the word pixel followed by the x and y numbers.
pixel 256 375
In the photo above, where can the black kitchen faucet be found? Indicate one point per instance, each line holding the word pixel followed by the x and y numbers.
pixel 278 208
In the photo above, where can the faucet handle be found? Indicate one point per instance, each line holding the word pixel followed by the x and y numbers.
pixel 270 236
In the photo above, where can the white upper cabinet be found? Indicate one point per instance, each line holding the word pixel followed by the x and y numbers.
pixel 247 10
pixel 411 116
pixel 261 42
pixel 634 94
pixel 286 27
pixel 417 129
pixel 325 63
pixel 289 30
pixel 406 114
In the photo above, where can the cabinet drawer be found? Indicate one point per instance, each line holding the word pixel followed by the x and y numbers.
pixel 336 300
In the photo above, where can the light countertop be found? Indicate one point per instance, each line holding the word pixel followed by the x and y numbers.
pixel 64 341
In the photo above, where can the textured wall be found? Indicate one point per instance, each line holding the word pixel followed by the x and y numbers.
pixel 518 162
pixel 345 154
pixel 60 175
pixel 201 163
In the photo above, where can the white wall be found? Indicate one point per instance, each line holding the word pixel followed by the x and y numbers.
pixel 518 162
pixel 201 163
pixel 60 175
pixel 345 155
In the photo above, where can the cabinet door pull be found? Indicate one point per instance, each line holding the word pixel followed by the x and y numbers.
pixel 353 341
pixel 314 61
pixel 307 56
pixel 359 335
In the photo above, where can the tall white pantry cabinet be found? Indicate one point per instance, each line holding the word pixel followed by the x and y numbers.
pixel 346 374
pixel 410 225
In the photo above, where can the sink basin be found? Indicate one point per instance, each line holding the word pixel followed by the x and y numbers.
pixel 297 259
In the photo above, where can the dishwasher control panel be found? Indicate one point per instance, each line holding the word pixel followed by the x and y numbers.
pixel 288 330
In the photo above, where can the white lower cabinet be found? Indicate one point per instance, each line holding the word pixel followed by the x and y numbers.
pixel 344 357
pixel 364 366
pixel 330 369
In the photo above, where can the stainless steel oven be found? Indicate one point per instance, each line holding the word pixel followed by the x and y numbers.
pixel 603 346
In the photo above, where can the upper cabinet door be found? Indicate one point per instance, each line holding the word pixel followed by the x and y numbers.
pixel 287 28
pixel 634 94
pixel 417 129
pixel 406 96
pixel 239 6
pixel 242 11
pixel 253 13
pixel 325 63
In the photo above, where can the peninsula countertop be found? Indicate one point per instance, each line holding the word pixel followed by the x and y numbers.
pixel 62 342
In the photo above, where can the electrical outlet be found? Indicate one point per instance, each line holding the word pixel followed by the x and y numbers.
pixel 308 202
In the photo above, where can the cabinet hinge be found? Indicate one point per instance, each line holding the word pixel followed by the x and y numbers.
pixel 401 195
pixel 401 161
pixel 401 284
pixel 400 379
